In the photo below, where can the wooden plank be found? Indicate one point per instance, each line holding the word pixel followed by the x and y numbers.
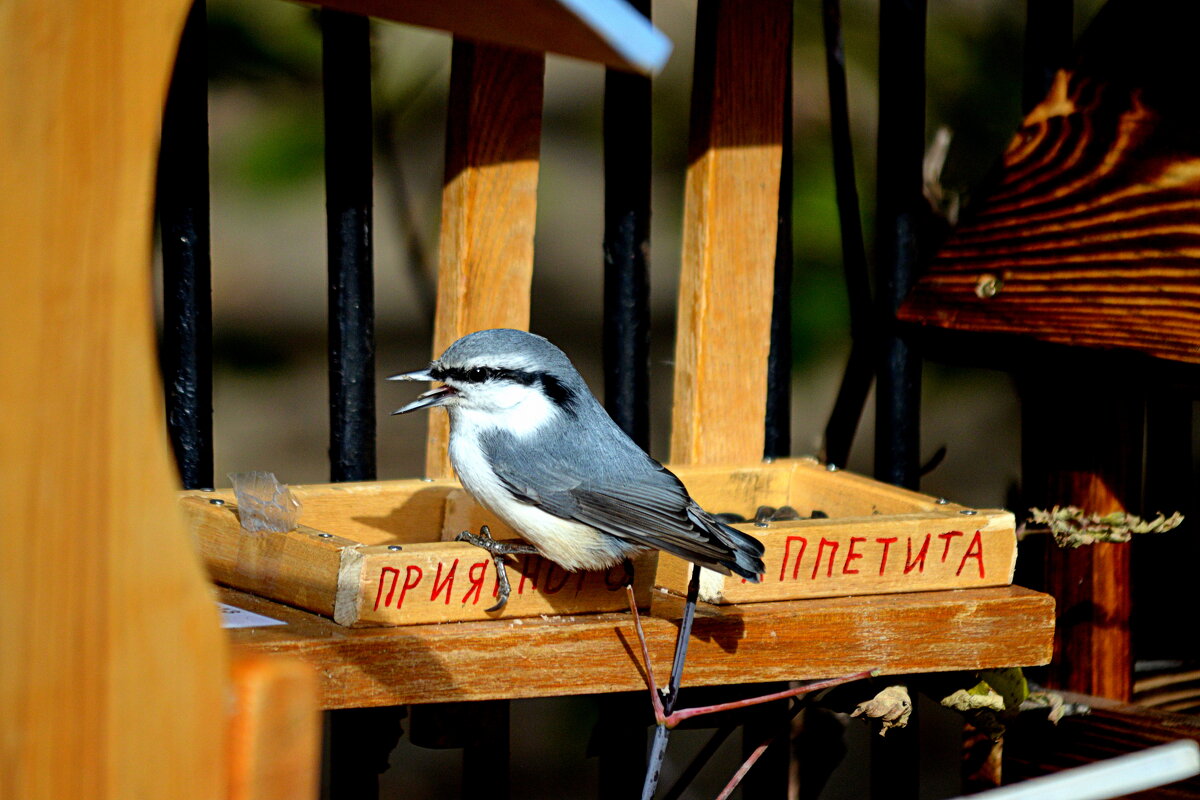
pixel 838 493
pixel 1088 455
pixel 863 555
pixel 113 668
pixel 565 655
pixel 730 218
pixel 606 31
pixel 489 203
pixel 1089 237
pixel 456 582
pixel 368 512
pixel 299 567
pixel 274 741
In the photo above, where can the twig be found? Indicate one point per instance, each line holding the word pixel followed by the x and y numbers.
pixel 674 718
pixel 666 718
pixel 655 699
pixel 658 749
pixel 744 768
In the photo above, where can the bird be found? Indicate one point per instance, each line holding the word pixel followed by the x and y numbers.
pixel 532 444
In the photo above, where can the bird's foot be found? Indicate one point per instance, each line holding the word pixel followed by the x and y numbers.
pixel 499 551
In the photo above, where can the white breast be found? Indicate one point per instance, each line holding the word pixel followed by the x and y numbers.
pixel 570 544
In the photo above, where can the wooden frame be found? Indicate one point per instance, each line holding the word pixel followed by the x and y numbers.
pixel 382 553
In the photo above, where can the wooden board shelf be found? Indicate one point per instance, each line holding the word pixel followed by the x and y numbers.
pixel 587 654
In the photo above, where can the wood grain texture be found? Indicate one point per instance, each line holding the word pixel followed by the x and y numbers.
pixel 489 203
pixel 443 582
pixel 113 667
pixel 1087 455
pixel 1090 236
pixel 861 556
pixel 731 208
pixel 275 736
pixel 298 567
pixel 564 655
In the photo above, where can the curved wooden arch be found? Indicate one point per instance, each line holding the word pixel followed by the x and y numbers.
pixel 113 670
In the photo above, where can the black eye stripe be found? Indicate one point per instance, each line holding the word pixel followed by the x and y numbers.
pixel 555 389
pixel 482 374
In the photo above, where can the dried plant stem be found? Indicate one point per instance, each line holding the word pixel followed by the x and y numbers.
pixel 744 768
pixel 677 717
pixel 666 718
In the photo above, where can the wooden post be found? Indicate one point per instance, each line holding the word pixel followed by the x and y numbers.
pixel 489 202
pixel 730 222
pixel 113 667
pixel 1086 453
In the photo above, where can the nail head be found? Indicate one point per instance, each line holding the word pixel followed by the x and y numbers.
pixel 988 286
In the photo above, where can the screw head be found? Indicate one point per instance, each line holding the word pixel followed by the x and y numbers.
pixel 941 501
pixel 395 548
pixel 325 535
pixel 988 286
pixel 968 512
pixel 832 467
pixel 216 501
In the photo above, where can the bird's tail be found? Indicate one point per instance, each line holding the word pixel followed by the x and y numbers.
pixel 746 553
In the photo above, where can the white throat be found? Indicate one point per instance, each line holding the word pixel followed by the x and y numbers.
pixel 520 410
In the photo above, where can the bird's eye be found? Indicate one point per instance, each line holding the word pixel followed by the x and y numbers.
pixel 478 374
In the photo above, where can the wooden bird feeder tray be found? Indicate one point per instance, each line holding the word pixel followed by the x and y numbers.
pixel 382 553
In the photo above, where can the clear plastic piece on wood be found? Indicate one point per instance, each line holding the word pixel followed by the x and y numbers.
pixel 264 504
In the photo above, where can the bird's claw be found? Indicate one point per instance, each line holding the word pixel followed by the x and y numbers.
pixel 498 551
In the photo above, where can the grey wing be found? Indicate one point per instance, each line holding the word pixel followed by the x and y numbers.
pixel 643 503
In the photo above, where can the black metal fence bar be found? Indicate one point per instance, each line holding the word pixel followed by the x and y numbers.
pixel 898 214
pixel 860 367
pixel 777 438
pixel 187 268
pixel 627 172
pixel 346 70
pixel 359 739
pixel 627 178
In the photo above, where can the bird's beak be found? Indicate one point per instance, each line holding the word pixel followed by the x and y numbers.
pixel 434 397
pixel 415 375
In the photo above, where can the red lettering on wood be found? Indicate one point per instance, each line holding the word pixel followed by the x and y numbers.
pixel 887 545
pixel 833 547
pixel 475 576
pixel 379 593
pixel 948 537
pixel 549 587
pixel 613 583
pixel 851 555
pixel 975 551
pixel 530 567
pixel 447 584
pixel 412 576
pixel 787 549
pixel 919 562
